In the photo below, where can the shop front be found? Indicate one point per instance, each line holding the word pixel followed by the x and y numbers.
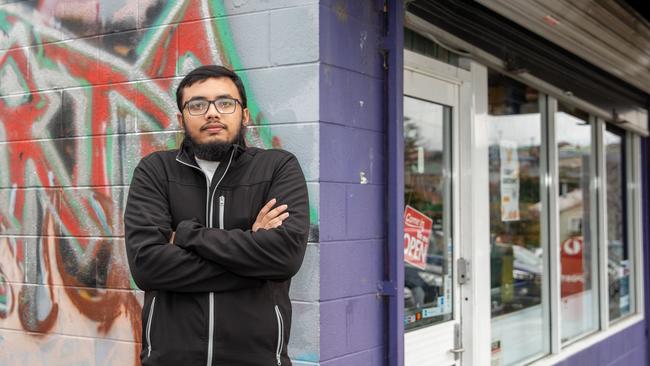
pixel 521 184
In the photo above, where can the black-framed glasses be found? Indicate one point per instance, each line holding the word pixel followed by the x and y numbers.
pixel 224 105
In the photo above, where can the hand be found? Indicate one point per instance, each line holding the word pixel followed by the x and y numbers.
pixel 270 218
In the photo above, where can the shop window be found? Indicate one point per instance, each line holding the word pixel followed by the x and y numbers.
pixel 519 153
pixel 428 295
pixel 520 325
pixel 578 252
pixel 618 253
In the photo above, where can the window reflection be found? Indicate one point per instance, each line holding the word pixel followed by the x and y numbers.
pixel 427 268
pixel 617 248
pixel 519 328
pixel 579 305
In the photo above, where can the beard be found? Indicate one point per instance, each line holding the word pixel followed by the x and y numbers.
pixel 215 150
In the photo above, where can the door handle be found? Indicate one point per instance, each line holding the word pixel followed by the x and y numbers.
pixel 457 351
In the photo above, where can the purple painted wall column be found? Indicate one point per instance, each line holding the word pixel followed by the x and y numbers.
pixel 395 126
pixel 352 183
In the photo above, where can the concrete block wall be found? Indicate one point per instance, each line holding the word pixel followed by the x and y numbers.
pixel 86 89
pixel 352 184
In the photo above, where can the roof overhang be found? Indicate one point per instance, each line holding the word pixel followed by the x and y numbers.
pixel 605 33
pixel 569 57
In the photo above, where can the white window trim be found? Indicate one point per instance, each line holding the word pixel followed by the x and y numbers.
pixel 601 224
pixel 638 221
pixel 552 279
pixel 635 213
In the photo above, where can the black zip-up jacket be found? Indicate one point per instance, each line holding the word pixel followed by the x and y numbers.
pixel 220 294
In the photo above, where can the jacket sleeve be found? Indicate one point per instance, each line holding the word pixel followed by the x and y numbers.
pixel 157 265
pixel 275 254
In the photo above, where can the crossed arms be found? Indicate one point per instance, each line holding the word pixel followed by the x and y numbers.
pixel 209 259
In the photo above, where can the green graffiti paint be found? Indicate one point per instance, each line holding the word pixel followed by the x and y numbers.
pixel 155 99
pixel 109 157
pixel 99 213
pixel 41 60
pixel 151 33
pixel 168 39
pixel 171 141
pixel 231 50
pixel 183 58
pixel 313 214
pixel 5 26
pixel 37 37
pixel 4 303
pixel 15 222
pixel 132 283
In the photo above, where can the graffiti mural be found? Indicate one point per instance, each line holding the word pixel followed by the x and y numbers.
pixel 86 89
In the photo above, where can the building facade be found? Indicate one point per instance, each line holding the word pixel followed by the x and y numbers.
pixel 477 172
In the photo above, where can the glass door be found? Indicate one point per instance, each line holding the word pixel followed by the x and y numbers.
pixel 431 295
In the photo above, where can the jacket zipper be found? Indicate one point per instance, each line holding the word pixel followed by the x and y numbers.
pixel 222 204
pixel 278 351
pixel 153 303
pixel 209 210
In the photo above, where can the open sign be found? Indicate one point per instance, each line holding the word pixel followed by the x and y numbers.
pixel 417 229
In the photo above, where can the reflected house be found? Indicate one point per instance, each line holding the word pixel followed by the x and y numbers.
pixel 571 210
pixel 615 190
pixel 574 254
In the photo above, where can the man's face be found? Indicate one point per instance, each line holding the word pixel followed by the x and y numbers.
pixel 213 127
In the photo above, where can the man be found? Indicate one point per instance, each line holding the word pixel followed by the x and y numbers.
pixel 214 260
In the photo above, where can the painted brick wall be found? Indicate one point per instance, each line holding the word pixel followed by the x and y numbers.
pixel 86 89
pixel 352 184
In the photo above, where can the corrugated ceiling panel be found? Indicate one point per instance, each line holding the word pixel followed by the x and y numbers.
pixel 601 32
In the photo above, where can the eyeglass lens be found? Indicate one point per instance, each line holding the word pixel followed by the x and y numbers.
pixel 200 106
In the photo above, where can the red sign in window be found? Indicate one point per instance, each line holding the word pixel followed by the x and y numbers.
pixel 573 272
pixel 417 229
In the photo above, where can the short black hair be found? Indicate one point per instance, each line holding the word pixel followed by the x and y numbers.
pixel 206 72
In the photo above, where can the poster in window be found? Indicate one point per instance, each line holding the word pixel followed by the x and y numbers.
pixel 509 181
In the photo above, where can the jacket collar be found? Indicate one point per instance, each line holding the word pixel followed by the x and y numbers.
pixel 186 155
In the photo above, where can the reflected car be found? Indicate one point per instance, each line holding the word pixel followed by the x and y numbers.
pixel 423 286
pixel 516 278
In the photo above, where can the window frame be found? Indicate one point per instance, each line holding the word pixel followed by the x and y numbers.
pixel 549 176
pixel 550 239
pixel 634 228
pixel 555 256
pixel 557 345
